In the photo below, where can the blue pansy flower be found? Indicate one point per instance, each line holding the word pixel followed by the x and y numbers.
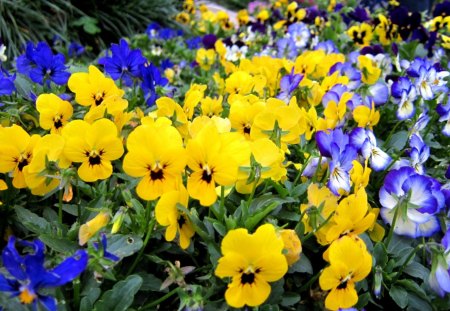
pixel 404 94
pixel 288 85
pixel 151 78
pixel 328 46
pixel 444 116
pixel 414 199
pixel 378 94
pixel 347 69
pixel 286 48
pixel 299 33
pixel 75 49
pixel 30 276
pixel 106 254
pixel 336 136
pixel 152 30
pixel 7 86
pixel 439 278
pixel 193 43
pixel 365 142
pixel 124 63
pixel 41 65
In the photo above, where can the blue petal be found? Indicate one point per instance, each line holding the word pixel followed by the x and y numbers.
pixel 48 302
pixel 13 261
pixel 69 269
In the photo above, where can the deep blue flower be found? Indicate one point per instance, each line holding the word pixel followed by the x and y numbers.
pixel 151 78
pixel 419 199
pixel 324 141
pixel 124 63
pixel 7 86
pixel 106 254
pixel 166 63
pixel 41 65
pixel 152 30
pixel 193 43
pixel 209 41
pixel 30 276
pixel 169 33
pixel 75 49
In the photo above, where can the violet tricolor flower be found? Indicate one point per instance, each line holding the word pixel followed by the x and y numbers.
pixel 124 63
pixel 365 142
pixel 404 94
pixel 41 65
pixel 410 202
pixel 30 276
pixel 300 34
pixel 439 278
pixel 444 116
pixel 288 85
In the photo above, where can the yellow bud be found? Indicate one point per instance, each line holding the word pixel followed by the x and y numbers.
pixel 292 245
pixel 90 228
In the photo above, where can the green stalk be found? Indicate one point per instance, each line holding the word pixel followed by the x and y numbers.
pixel 162 299
pixel 146 239
pixel 76 293
pixel 391 229
pixel 60 204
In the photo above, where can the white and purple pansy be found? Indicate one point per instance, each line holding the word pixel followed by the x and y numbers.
pixel 410 202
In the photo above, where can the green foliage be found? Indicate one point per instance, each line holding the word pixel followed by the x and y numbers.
pixel 93 23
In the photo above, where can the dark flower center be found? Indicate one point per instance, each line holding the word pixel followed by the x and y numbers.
pixel 207 175
pixel 94 157
pixel 57 123
pixel 98 98
pixel 342 285
pixel 22 163
pixel 247 129
pixel 181 221
pixel 247 278
pixel 157 174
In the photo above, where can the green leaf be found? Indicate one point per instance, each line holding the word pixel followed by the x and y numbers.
pixel 32 221
pixel 121 296
pixel 124 245
pixel 399 295
pixel 303 265
pixel 58 244
pixel 220 228
pixel 398 141
pixel 150 282
pixel 23 86
pixel 363 300
pixel 418 304
pixel 380 254
pixel 413 287
pixel 289 299
pixel 417 270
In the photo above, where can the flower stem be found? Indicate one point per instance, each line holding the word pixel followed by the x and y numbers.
pixel 146 239
pixel 60 206
pixel 76 293
pixel 158 301
pixel 391 229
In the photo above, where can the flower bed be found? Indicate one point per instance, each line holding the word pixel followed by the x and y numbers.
pixel 295 160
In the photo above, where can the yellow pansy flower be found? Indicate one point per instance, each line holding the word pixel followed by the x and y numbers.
pixel 321 205
pixel 252 261
pixel 350 262
pixel 54 112
pixel 43 175
pixel 359 175
pixel 370 72
pixel 366 116
pixel 211 106
pixel 16 152
pixel 214 159
pixel 361 34
pixel 94 146
pixel 205 58
pixel 352 216
pixel 242 114
pixel 98 92
pixel 168 108
pixel 168 215
pixel 156 156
